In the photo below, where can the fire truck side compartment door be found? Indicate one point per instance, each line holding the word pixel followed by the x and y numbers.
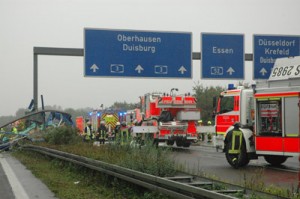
pixel 269 132
pixel 291 124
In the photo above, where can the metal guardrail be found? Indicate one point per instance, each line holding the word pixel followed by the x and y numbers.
pixel 154 183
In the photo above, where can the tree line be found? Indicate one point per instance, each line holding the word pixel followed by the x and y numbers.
pixel 204 96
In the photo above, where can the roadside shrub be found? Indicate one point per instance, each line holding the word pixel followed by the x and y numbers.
pixel 61 135
pixel 149 159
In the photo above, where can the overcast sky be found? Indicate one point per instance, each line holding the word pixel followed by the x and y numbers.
pixel 61 23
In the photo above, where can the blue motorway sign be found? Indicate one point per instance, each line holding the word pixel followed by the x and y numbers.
pixel 222 56
pixel 128 53
pixel 267 48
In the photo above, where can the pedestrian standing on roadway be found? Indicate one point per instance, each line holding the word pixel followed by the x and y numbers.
pixel 102 132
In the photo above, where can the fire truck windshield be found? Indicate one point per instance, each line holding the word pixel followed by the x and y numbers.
pixel 226 104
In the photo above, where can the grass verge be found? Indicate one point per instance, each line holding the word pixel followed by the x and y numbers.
pixel 70 181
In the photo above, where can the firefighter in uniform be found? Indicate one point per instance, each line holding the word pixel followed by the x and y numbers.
pixel 87 132
pixel 200 122
pixel 1 135
pixel 102 132
pixel 15 130
pixel 117 133
pixel 233 143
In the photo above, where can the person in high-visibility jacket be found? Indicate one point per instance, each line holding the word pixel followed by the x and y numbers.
pixel 200 122
pixel 124 133
pixel 87 132
pixel 1 134
pixel 117 133
pixel 233 142
pixel 14 130
pixel 102 132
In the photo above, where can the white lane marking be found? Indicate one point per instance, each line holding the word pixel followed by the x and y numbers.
pixel 16 186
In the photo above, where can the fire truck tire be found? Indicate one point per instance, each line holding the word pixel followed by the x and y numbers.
pixel 179 143
pixel 275 160
pixel 170 142
pixel 237 160
pixel 186 144
pixel 246 160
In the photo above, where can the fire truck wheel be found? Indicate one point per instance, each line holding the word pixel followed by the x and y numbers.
pixel 186 144
pixel 237 160
pixel 170 142
pixel 275 160
pixel 179 143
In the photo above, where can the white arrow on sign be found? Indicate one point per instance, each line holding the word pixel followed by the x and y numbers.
pixel 263 71
pixel 94 67
pixel 230 71
pixel 182 69
pixel 139 68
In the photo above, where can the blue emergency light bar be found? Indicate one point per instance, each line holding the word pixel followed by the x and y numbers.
pixel 122 113
pixel 231 86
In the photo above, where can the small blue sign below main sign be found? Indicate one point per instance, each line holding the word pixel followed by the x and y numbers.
pixel 222 56
pixel 268 48
pixel 128 53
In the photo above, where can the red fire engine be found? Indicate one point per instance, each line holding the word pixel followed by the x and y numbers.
pixel 169 117
pixel 268 114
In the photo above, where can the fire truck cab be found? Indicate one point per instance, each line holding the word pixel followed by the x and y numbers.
pixel 268 114
pixel 234 105
pixel 170 118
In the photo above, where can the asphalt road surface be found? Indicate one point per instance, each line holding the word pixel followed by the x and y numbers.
pixel 207 161
pixel 16 182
